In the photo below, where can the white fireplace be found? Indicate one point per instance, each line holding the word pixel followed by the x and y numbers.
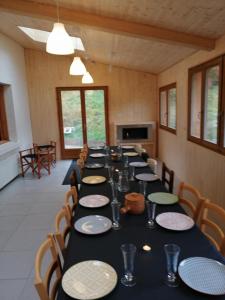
pixel 143 133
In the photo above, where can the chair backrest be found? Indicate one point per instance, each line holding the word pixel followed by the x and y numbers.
pixel 80 164
pixel 62 227
pixel 46 288
pixel 195 203
pixel 167 177
pixel 71 200
pixel 74 179
pixel 212 215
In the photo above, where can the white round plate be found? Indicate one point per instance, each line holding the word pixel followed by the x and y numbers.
pixel 93 179
pixel 138 164
pixel 93 224
pixel 130 153
pixel 203 275
pixel 174 221
pixel 96 148
pixel 94 166
pixel 91 279
pixel 147 177
pixel 127 147
pixel 97 155
pixel 94 201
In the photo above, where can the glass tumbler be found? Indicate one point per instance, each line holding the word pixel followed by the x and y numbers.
pixel 151 208
pixel 128 252
pixel 106 161
pixel 110 173
pixel 172 253
pixel 114 187
pixel 123 182
pixel 142 187
pixel 132 173
pixel 126 161
pixel 116 215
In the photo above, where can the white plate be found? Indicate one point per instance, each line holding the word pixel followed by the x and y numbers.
pixel 127 147
pixel 91 279
pixel 130 153
pixel 97 155
pixel 163 198
pixel 147 177
pixel 138 164
pixel 94 201
pixel 93 179
pixel 203 275
pixel 96 148
pixel 174 221
pixel 93 224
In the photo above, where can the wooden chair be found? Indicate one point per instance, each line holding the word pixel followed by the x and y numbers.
pixel 43 283
pixel 71 200
pixel 211 215
pixel 53 153
pixel 195 203
pixel 74 179
pixel 80 164
pixel 44 160
pixel 167 177
pixel 28 160
pixel 62 228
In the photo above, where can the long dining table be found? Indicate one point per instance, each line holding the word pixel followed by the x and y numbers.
pixel 150 267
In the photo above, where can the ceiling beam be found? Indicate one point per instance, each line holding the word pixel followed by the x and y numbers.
pixel 107 24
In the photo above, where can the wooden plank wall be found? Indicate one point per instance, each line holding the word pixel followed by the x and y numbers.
pixel 201 167
pixel 132 94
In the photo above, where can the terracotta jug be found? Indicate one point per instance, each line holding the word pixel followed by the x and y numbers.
pixel 134 204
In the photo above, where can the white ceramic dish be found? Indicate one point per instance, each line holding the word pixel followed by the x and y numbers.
pixel 97 155
pixel 130 153
pixel 147 177
pixel 94 201
pixel 93 224
pixel 174 221
pixel 138 164
pixel 127 147
pixel 91 279
pixel 163 198
pixel 93 179
pixel 203 275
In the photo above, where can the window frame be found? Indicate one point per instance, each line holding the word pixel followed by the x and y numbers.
pixel 202 68
pixel 4 135
pixel 166 89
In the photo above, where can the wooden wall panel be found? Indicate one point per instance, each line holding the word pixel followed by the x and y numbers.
pixel 203 168
pixel 132 95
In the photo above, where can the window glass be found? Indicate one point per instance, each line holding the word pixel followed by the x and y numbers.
pixel 211 104
pixel 172 108
pixel 196 85
pixel 163 108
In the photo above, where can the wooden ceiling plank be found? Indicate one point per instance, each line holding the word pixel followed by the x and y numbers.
pixel 47 11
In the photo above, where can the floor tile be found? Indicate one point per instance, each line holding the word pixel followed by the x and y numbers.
pixel 25 240
pixel 29 292
pixel 10 222
pixel 12 289
pixel 4 237
pixel 16 265
pixel 38 221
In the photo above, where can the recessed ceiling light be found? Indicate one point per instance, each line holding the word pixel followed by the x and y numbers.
pixel 42 37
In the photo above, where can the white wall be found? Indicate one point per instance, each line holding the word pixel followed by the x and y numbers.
pixel 13 73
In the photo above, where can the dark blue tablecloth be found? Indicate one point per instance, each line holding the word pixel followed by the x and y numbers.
pixel 150 268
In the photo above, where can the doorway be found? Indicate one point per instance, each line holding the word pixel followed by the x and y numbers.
pixel 83 118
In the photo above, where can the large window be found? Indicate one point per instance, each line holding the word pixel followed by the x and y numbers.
pixel 168 104
pixel 3 121
pixel 206 105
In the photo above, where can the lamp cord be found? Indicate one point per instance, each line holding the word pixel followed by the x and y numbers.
pixel 57 8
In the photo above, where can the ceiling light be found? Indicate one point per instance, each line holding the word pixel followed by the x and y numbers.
pixel 77 67
pixel 87 78
pixel 59 42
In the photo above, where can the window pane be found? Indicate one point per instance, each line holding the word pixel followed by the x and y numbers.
pixel 196 104
pixel 211 104
pixel 172 108
pixel 72 119
pixel 163 109
pixel 95 116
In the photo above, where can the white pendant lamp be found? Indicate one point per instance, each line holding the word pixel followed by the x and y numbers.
pixel 77 67
pixel 87 78
pixel 59 42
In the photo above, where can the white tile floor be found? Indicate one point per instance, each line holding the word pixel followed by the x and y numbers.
pixel 27 210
